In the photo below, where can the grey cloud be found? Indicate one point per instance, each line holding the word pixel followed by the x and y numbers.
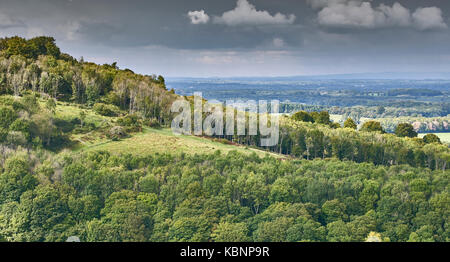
pixel 158 36
pixel 6 21
pixel 429 18
pixel 246 13
pixel 361 14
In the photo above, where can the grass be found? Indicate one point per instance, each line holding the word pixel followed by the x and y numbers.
pixel 445 137
pixel 164 141
pixel 150 141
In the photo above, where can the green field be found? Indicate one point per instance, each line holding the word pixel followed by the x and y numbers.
pixel 164 141
pixel 445 137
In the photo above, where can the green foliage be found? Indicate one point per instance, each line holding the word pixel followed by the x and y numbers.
pixel 405 130
pixel 29 48
pixel 431 138
pixel 37 65
pixel 372 126
pixel 50 105
pixel 303 116
pixel 233 197
pixel 349 123
pixel 393 186
pixel 7 117
pixel 106 110
pixel 230 232
pixel 116 133
pixel 15 179
pixel 322 117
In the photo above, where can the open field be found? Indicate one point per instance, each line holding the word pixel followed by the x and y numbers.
pixel 163 141
pixel 445 137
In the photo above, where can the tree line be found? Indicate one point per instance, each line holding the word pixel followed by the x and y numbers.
pixel 313 135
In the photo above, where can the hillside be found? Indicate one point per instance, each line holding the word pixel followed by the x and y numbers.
pixel 85 151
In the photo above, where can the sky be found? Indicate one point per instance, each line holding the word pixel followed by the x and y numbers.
pixel 223 38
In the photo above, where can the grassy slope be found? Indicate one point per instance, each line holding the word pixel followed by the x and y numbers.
pixel 148 142
pixel 163 141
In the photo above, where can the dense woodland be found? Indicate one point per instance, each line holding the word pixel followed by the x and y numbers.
pixel 234 197
pixel 333 183
pixel 37 65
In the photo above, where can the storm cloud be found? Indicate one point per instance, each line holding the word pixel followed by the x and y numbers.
pixel 242 37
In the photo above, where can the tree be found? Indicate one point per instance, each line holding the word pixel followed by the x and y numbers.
pixel 51 105
pixel 7 116
pixel 273 231
pixel 374 237
pixel 40 213
pixel 303 116
pixel 338 231
pixel 333 210
pixel 349 123
pixel 431 138
pixel 230 232
pixel 405 130
pixel 372 126
pixel 82 117
pixel 16 179
pixel 322 117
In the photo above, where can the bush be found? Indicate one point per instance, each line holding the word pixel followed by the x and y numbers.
pixel 431 138
pixel 16 138
pixel 22 125
pixel 132 122
pixel 117 133
pixel 106 110
pixel 7 116
pixel 3 134
pixel 153 123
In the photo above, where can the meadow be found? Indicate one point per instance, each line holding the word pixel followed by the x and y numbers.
pixel 161 141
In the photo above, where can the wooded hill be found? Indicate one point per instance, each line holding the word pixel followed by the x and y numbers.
pixel 37 65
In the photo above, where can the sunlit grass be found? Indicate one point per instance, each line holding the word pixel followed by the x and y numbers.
pixel 164 141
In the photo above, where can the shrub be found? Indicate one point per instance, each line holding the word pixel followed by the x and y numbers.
pixel 117 133
pixel 16 138
pixel 431 138
pixel 106 110
pixel 7 116
pixel 132 122
pixel 22 125
pixel 153 123
pixel 3 134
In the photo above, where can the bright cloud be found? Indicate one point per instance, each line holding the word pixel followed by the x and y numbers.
pixel 361 14
pixel 428 18
pixel 198 17
pixel 244 14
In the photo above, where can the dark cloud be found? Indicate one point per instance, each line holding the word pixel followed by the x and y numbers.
pixel 256 37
